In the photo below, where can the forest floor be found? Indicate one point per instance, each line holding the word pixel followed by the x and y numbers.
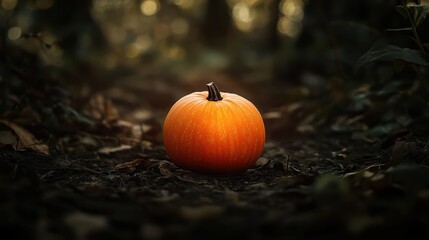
pixel 104 184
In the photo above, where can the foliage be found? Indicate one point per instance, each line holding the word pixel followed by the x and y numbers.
pixel 344 102
pixel 416 14
pixel 390 53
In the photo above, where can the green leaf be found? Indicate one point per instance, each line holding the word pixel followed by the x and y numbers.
pixel 420 12
pixel 389 53
pixel 401 10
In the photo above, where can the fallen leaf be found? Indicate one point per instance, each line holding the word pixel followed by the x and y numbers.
pixel 88 141
pixel 131 164
pixel 109 150
pixel 102 108
pixel 262 161
pixel 130 129
pixel 166 168
pixel 142 115
pixel 26 140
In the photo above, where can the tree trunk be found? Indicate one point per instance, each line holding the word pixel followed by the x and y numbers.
pixel 273 36
pixel 216 26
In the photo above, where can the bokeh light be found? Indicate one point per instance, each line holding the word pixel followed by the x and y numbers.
pixel 149 7
pixel 14 33
pixel 243 15
pixel 292 9
pixel 288 27
pixel 186 4
pixel 292 13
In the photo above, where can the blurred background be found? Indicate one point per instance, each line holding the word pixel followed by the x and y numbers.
pixel 294 59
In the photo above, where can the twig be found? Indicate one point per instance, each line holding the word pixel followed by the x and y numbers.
pixel 413 26
pixel 72 169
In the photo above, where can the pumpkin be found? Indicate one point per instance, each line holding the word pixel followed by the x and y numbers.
pixel 214 132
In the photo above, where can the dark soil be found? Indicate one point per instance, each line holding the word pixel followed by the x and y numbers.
pixel 330 179
pixel 314 187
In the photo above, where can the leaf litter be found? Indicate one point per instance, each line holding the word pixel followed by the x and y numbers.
pixel 309 186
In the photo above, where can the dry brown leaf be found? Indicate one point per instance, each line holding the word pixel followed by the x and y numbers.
pixel 166 169
pixel 102 108
pixel 130 129
pixel 142 115
pixel 130 164
pixel 26 140
pixel 88 141
pixel 109 150
pixel 262 161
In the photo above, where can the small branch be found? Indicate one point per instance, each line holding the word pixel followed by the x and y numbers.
pixel 83 169
pixel 413 26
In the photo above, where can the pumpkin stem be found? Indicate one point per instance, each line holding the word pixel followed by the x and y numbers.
pixel 214 93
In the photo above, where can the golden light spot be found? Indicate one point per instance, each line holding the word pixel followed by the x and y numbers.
pixel 289 27
pixel 241 12
pixel 44 4
pixel 184 3
pixel 292 9
pixel 244 26
pixel 244 16
pixel 8 4
pixel 149 7
pixel 14 33
pixel 179 26
pixel 252 2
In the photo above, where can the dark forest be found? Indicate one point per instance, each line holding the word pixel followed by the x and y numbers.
pixel 214 119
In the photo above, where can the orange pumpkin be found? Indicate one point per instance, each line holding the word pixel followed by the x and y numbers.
pixel 214 132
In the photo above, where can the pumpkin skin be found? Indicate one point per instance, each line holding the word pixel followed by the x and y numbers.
pixel 225 135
